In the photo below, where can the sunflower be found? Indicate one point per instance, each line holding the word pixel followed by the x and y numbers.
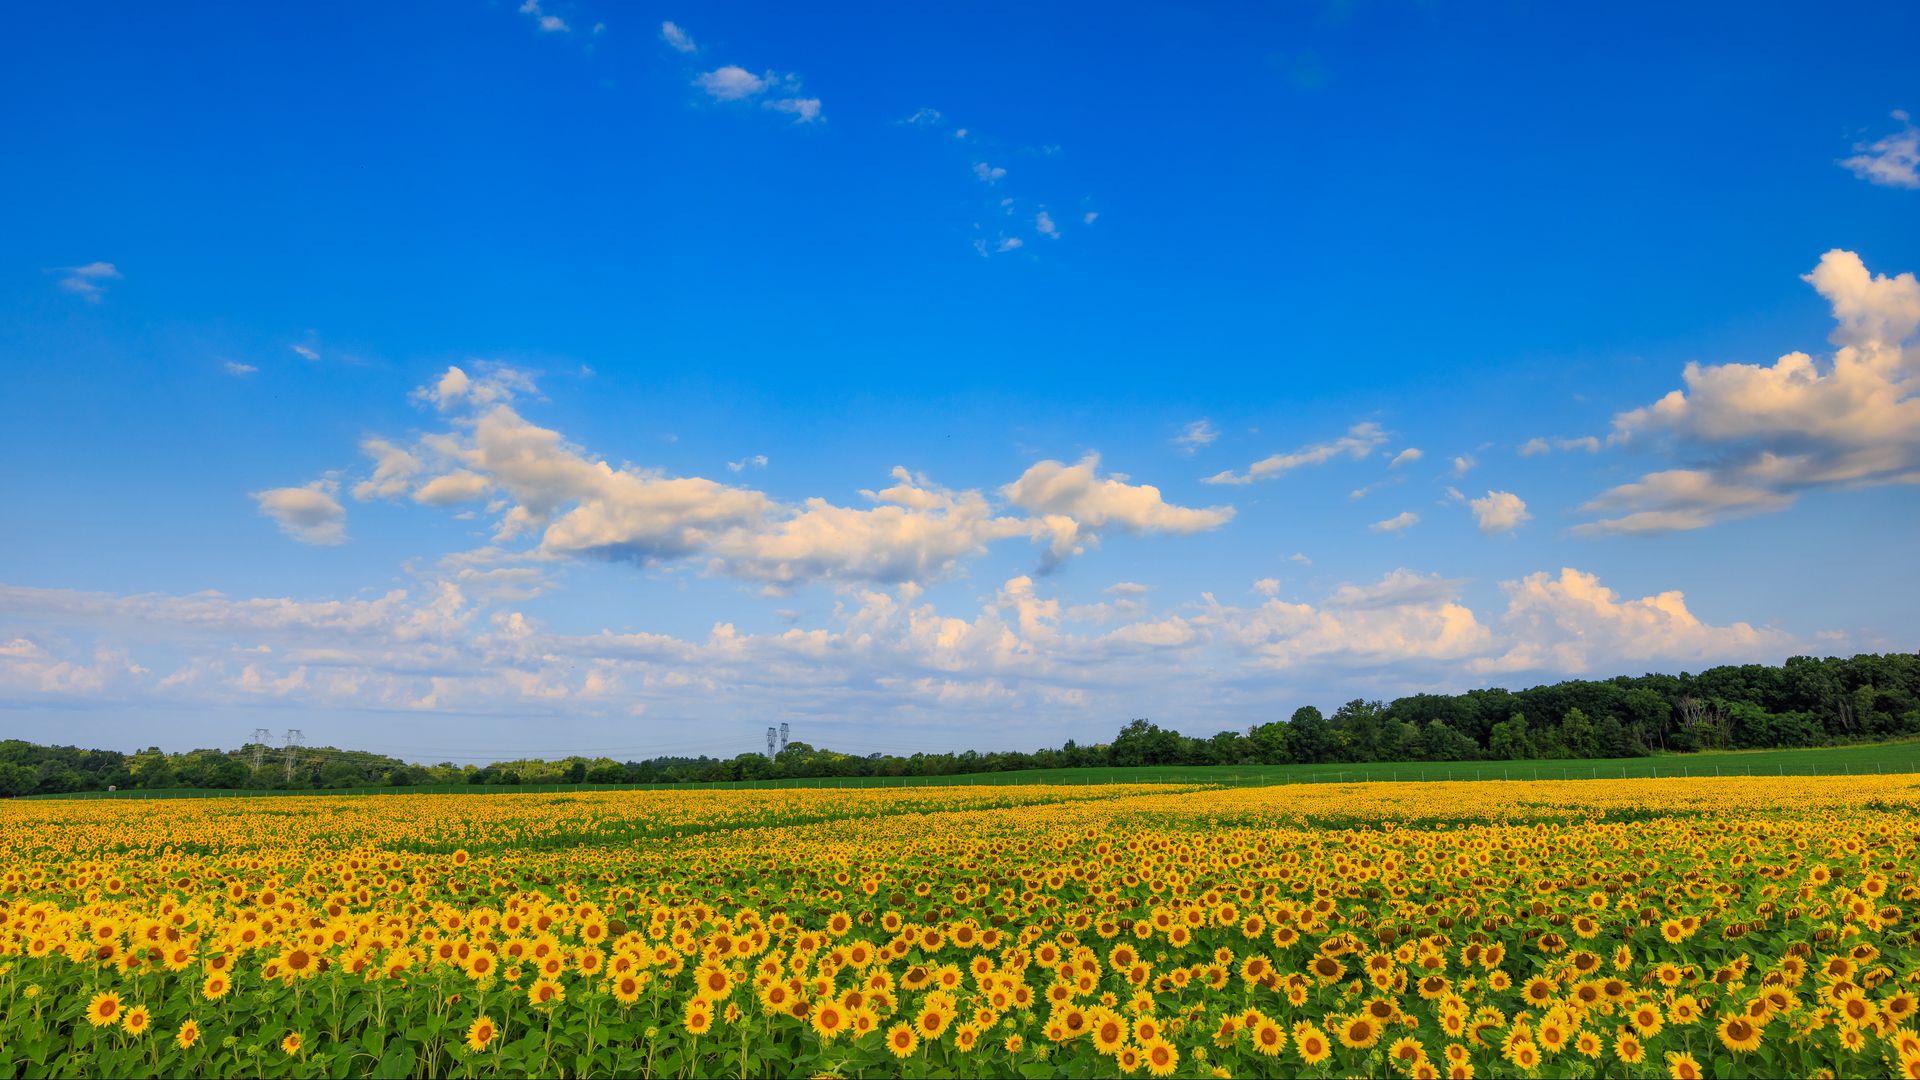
pixel 1646 1019
pixel 1161 1057
pixel 1268 1038
pixel 901 1040
pixel 546 992
pixel 1629 1049
pixel 480 1034
pixel 1311 1044
pixel 291 1044
pixel 104 1009
pixel 1738 1034
pixel 1109 1034
pixel 698 1018
pixel 1356 1032
pixel 188 1034
pixel 829 1020
pixel 1682 1066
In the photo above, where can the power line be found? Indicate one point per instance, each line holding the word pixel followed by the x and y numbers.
pixel 261 739
pixel 293 750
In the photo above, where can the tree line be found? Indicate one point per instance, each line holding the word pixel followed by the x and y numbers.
pixel 1804 702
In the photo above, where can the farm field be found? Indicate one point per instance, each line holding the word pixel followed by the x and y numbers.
pixel 1857 759
pixel 1716 926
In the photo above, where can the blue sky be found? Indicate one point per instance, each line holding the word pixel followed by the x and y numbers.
pixel 475 379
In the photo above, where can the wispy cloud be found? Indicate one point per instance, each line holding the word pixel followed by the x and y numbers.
pixel 548 24
pixel 1196 435
pixel 89 281
pixel 1360 441
pixel 1403 520
pixel 1892 161
pixel 1538 445
pixel 236 368
pixel 1405 457
pixel 677 39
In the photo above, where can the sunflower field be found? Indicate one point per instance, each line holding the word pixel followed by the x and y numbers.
pixel 1737 927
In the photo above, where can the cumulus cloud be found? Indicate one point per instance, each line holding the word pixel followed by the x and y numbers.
pixel 567 503
pixel 1463 464
pixel 452 646
pixel 1403 520
pixel 393 469
pixel 1043 224
pixel 732 83
pixel 988 174
pixel 1196 435
pixel 1571 623
pixel 1360 441
pixel 87 282
pixel 1752 437
pixel 1077 492
pixel 677 39
pixel 1499 512
pixel 1893 161
pixel 310 514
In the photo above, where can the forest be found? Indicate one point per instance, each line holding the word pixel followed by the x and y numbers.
pixel 1804 702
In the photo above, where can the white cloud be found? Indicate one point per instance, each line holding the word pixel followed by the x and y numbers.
pixel 1499 512
pixel 455 487
pixel 1463 464
pixel 1080 493
pixel 988 174
pixel 305 352
pixel 88 281
pixel 1195 435
pixel 1893 161
pixel 1405 457
pixel 393 469
pixel 732 83
pixel 1043 224
pixel 1267 586
pixel 310 514
pixel 803 110
pixel 1573 624
pixel 1402 520
pixel 1089 217
pixel 757 461
pixel 677 39
pixel 235 368
pixel 1752 437
pixel 1010 243
pixel 1537 445
pixel 925 118
pixel 448 647
pixel 548 24
pixel 1360 441
pixel 573 505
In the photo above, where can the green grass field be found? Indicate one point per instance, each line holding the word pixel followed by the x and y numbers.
pixel 1866 758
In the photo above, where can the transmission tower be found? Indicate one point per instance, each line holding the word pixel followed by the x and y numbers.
pixel 770 743
pixel 262 738
pixel 293 750
pixel 783 736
